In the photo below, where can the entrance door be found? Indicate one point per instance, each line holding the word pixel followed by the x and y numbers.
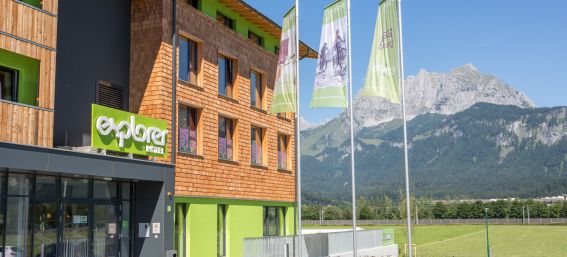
pixel 105 231
pixel 90 229
pixel 76 230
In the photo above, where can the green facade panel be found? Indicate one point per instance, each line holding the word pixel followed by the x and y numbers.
pixel 242 222
pixel 28 74
pixel 202 227
pixel 242 26
pixel 244 219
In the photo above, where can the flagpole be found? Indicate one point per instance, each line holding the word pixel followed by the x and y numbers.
pixel 406 159
pixel 351 114
pixel 298 131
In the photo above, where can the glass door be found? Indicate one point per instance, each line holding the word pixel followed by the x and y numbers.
pixel 75 241
pixel 105 230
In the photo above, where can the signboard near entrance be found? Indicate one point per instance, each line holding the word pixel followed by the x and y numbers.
pixel 121 131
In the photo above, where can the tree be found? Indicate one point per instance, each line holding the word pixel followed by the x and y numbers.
pixel 440 211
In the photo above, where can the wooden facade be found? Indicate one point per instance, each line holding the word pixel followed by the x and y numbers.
pixel 31 32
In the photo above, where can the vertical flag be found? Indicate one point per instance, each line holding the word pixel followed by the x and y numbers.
pixel 332 74
pixel 286 74
pixel 383 75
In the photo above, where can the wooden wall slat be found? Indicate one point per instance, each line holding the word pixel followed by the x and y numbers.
pixel 26 125
pixel 26 22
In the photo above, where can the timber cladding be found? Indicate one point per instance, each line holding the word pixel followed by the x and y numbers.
pixel 20 23
pixel 204 175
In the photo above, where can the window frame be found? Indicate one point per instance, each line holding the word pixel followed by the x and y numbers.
pixel 230 133
pixel 286 141
pixel 261 132
pixel 14 73
pixel 231 68
pixel 226 21
pixel 196 114
pixel 254 89
pixel 195 59
pixel 256 38
pixel 279 221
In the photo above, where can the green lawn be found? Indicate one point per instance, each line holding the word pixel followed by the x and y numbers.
pixel 470 240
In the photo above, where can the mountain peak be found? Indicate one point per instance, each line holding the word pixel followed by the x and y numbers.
pixel 428 92
pixel 469 67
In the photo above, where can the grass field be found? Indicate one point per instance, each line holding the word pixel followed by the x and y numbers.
pixel 470 240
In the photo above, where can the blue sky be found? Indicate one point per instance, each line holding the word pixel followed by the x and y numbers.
pixel 523 42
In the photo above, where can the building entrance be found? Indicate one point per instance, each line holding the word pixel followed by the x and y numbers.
pixel 49 216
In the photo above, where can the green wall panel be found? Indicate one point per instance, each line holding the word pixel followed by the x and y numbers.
pixel 28 72
pixel 289 221
pixel 242 222
pixel 244 219
pixel 211 7
pixel 202 230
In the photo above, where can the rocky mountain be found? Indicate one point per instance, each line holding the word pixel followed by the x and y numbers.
pixel 484 151
pixel 427 92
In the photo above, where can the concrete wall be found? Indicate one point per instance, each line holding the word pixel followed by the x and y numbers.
pixel 93 44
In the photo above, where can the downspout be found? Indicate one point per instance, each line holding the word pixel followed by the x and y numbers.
pixel 174 82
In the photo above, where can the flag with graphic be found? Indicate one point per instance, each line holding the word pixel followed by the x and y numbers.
pixel 383 75
pixel 286 74
pixel 331 75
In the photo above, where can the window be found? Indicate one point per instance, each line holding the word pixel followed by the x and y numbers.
pixel 226 138
pixel 274 221
pixel 223 19
pixel 19 77
pixel 9 84
pixel 276 50
pixel 257 146
pixel 226 76
pixel 194 3
pixel 283 141
pixel 221 230
pixel 189 130
pixel 188 60
pixel 255 38
pixel 256 90
pixel 34 3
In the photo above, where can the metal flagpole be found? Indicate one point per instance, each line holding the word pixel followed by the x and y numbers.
pixel 351 114
pixel 402 82
pixel 298 131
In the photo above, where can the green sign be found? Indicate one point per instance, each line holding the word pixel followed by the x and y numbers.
pixel 122 131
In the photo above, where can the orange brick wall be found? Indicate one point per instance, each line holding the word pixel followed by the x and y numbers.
pixel 205 175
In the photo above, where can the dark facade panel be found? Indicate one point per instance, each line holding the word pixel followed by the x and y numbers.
pixel 93 45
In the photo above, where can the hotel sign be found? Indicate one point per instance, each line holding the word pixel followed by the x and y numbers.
pixel 122 131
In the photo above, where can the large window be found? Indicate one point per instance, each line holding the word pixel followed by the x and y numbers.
pixel 223 19
pixel 283 158
pixel 274 221
pixel 257 146
pixel 221 230
pixel 255 38
pixel 8 84
pixel 188 60
pixel 256 90
pixel 189 130
pixel 226 138
pixel 226 76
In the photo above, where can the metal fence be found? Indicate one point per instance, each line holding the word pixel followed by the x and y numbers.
pixel 532 221
pixel 315 245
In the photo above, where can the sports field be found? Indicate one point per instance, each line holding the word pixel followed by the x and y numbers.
pixel 470 240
